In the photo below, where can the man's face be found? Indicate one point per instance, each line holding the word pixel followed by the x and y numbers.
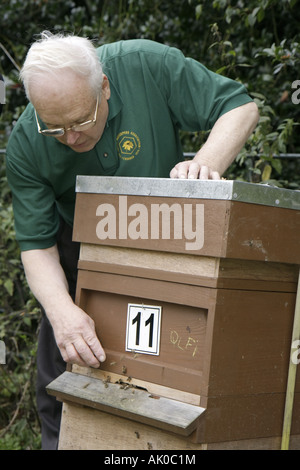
pixel 68 101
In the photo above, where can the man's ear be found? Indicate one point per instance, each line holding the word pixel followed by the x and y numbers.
pixel 106 87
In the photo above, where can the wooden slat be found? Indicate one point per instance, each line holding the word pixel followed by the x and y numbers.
pixel 151 387
pixel 190 269
pixel 131 403
pixel 154 260
pixel 174 267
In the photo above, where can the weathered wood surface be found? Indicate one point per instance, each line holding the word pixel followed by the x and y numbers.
pixel 128 402
pixel 189 269
pixel 151 387
pixel 183 330
pixel 84 428
pixel 229 229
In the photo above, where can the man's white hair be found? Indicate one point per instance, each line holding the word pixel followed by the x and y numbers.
pixel 57 52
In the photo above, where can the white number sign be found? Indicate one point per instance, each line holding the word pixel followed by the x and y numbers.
pixel 143 329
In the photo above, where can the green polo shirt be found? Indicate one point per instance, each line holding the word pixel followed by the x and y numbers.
pixel 155 91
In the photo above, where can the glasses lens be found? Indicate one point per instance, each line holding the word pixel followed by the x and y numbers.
pixel 53 132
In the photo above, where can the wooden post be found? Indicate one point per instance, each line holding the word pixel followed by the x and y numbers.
pixel 291 383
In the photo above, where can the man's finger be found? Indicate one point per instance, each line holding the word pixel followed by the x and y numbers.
pixel 204 173
pixel 96 348
pixel 215 175
pixel 179 171
pixel 70 355
pixel 85 353
pixel 193 170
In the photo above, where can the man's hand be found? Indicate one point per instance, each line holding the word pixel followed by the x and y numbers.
pixel 74 330
pixel 193 170
pixel 76 338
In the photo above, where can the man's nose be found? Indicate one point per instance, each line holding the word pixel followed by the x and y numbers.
pixel 72 137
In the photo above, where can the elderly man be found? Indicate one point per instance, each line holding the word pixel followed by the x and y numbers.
pixel 83 101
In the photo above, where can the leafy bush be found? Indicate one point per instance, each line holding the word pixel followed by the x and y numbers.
pixel 19 318
pixel 20 427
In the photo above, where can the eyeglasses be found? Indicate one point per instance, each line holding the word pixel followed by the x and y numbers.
pixel 83 126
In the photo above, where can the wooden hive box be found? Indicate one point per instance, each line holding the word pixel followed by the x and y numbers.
pixel 192 286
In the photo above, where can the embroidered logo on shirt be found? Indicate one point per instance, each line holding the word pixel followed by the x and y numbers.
pixel 128 144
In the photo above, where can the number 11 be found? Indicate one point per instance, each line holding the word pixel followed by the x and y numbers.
pixel 149 321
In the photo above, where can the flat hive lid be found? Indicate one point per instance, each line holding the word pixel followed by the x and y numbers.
pixel 228 190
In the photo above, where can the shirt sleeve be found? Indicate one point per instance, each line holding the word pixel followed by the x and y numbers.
pixel 35 213
pixel 197 97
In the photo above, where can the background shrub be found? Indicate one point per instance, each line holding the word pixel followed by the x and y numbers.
pixel 255 42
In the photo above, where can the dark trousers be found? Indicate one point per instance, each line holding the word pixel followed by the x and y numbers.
pixel 49 360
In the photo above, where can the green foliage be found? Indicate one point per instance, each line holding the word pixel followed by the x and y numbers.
pixel 19 423
pixel 256 42
pixel 19 318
